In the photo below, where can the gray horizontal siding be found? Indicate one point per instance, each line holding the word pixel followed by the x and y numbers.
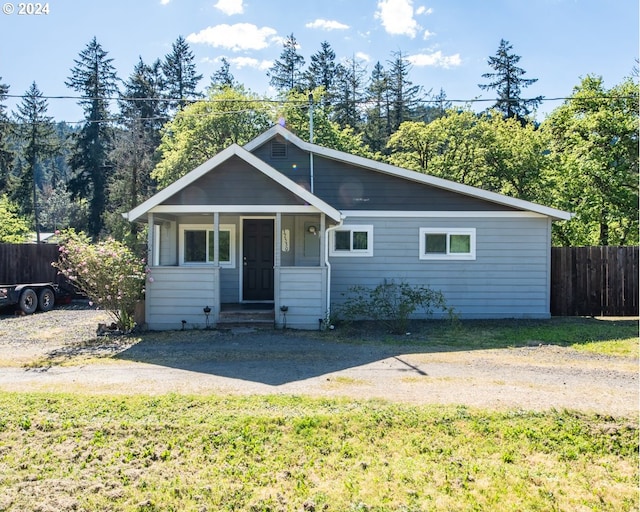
pixel 234 182
pixel 348 187
pixel 181 293
pixel 508 278
pixel 303 291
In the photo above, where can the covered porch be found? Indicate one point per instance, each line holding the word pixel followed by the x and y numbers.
pixel 203 264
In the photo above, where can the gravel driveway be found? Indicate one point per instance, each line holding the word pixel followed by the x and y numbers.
pixel 59 351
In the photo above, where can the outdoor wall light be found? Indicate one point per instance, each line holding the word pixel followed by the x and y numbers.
pixel 207 312
pixel 313 230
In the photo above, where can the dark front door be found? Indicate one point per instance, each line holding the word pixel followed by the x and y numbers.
pixel 257 247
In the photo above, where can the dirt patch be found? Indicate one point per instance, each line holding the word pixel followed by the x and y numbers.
pixel 60 351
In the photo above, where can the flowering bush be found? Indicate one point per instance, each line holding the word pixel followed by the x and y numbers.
pixel 107 272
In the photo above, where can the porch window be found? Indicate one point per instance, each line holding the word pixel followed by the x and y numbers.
pixel 447 243
pixel 352 241
pixel 197 245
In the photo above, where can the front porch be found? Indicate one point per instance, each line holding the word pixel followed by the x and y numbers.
pixel 208 262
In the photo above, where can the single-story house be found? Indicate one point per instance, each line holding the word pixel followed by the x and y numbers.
pixel 294 225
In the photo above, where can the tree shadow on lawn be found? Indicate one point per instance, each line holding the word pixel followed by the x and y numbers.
pixel 278 357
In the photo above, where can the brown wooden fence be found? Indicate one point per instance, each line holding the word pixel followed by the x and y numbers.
pixel 28 263
pixel 594 281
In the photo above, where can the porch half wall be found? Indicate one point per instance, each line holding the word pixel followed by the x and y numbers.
pixel 303 292
pixel 174 294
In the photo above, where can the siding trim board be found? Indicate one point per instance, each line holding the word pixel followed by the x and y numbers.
pixel 440 214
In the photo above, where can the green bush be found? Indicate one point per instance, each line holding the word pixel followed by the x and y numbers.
pixel 392 304
pixel 107 272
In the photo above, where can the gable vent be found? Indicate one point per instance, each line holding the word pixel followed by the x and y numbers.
pixel 278 149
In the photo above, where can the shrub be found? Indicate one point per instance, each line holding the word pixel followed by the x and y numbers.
pixel 392 304
pixel 107 272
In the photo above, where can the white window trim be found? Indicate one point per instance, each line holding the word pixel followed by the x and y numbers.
pixel 368 252
pixel 448 231
pixel 205 227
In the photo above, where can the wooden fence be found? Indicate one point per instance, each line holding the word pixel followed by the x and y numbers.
pixel 594 281
pixel 28 263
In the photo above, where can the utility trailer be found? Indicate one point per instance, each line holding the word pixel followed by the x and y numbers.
pixel 29 297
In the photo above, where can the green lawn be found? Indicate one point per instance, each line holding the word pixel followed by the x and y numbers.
pixel 64 452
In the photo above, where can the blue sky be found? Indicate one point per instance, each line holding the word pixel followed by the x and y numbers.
pixel 447 41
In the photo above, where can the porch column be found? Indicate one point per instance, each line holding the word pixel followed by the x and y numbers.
pixel 151 257
pixel 278 241
pixel 322 237
pixel 216 239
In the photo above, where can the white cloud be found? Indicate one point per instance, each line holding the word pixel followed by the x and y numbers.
pixel 423 10
pixel 249 62
pixel 241 36
pixel 397 17
pixel 435 59
pixel 164 2
pixel 427 34
pixel 230 7
pixel 327 25
pixel 363 56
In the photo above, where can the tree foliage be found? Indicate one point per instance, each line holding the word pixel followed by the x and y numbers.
pixel 180 74
pixel 13 228
pixel 287 73
pixel 36 129
pixel 94 77
pixel 594 144
pixel 508 81
pixel 201 130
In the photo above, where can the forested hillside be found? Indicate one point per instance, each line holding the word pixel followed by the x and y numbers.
pixel 142 132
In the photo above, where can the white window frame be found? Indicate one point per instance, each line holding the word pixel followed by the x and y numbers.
pixel 368 252
pixel 448 255
pixel 231 228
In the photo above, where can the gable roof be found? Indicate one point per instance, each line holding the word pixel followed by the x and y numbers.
pixel 234 150
pixel 417 177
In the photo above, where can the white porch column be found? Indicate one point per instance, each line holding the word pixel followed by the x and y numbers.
pixel 322 237
pixel 151 257
pixel 216 239
pixel 278 241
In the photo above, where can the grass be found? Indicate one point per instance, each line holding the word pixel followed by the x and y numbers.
pixel 615 337
pixel 138 453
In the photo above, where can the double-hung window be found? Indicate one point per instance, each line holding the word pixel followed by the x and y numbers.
pixel 197 245
pixel 447 243
pixel 352 241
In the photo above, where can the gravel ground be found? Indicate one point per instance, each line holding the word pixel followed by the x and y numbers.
pixel 59 351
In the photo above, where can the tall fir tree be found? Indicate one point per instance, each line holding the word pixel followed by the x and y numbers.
pixel 181 75
pixel 405 96
pixel 143 112
pixel 37 132
pixel 348 94
pixel 508 81
pixel 378 121
pixel 222 78
pixel 322 71
pixel 94 77
pixel 286 74
pixel 6 154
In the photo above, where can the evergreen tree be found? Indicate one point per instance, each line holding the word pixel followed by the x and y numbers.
pixel 378 122
pixel 180 74
pixel 6 155
pixel 223 77
pixel 143 112
pixel 322 71
pixel 36 129
pixel 348 94
pixel 94 77
pixel 286 74
pixel 507 81
pixel 404 95
pixel 142 103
